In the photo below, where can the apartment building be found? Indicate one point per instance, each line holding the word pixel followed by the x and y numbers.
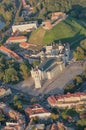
pixel 37 111
pixel 67 100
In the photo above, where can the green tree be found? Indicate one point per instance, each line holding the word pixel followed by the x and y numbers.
pixel 78 80
pixel 1 75
pixel 11 75
pixel 25 72
pixel 83 44
pixel 2 63
pixel 33 100
pixel 69 87
pixel 2 117
pixel 82 122
pixel 18 104
pixel 69 112
pixel 54 116
pixel 15 98
pixel 84 74
pixel 79 54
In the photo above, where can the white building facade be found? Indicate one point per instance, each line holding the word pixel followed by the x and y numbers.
pixel 47 70
pixel 53 61
pixel 68 100
pixel 25 27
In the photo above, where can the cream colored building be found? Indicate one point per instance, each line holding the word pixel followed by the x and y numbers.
pixel 68 100
pixel 25 27
pixel 37 111
pixel 13 126
pixel 58 15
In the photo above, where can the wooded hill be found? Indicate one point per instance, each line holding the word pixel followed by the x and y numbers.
pixel 44 8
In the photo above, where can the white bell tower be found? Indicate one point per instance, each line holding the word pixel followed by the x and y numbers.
pixel 35 75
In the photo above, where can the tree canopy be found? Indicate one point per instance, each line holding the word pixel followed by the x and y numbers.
pixel 44 7
pixel 80 52
pixel 10 75
pixel 12 71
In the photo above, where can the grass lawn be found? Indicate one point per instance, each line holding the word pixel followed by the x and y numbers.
pixel 69 30
pixel 37 36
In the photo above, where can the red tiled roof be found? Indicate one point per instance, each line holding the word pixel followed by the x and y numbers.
pixel 9 128
pixel 16 38
pixel 35 109
pixel 47 23
pixel 54 127
pixel 55 98
pixel 25 44
pixel 52 99
pixel 12 53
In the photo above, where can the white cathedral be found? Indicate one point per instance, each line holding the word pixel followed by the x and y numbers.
pixel 55 58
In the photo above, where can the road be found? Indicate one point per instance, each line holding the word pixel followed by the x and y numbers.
pixel 53 86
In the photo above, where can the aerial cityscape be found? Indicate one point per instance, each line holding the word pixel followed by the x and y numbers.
pixel 42 64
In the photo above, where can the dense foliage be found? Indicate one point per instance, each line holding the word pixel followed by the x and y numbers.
pixel 76 83
pixel 80 52
pixel 43 8
pixel 12 71
pixel 7 9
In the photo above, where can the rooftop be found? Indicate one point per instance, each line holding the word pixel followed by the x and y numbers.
pixel 55 98
pixel 12 53
pixel 35 109
pixel 52 67
pixel 46 64
pixel 57 13
pixel 17 38
pixel 47 24
pixel 25 44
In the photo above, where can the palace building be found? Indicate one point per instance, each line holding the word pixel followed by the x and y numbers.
pixel 53 61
